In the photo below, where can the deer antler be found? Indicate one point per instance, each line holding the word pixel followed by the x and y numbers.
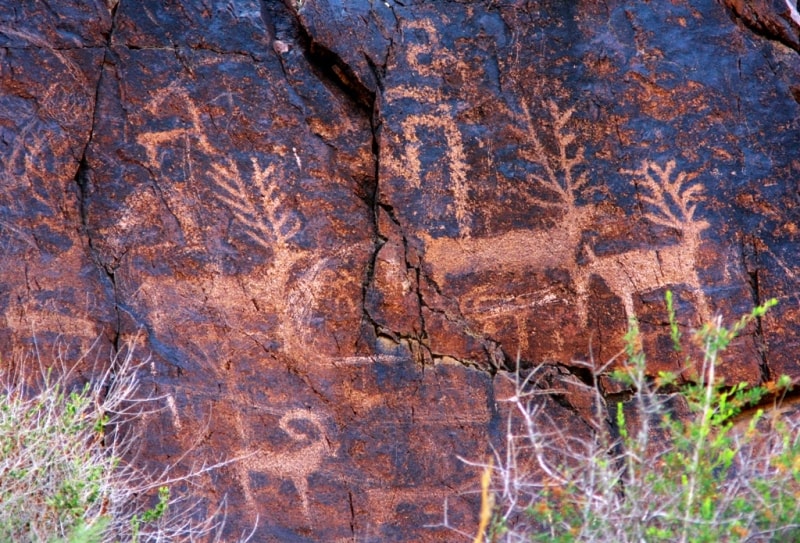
pixel 232 191
pixel 565 185
pixel 272 205
pixel 260 213
pixel 665 194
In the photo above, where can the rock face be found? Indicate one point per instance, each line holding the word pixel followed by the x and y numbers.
pixel 334 225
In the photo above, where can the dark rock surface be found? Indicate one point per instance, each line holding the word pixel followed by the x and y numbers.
pixel 331 224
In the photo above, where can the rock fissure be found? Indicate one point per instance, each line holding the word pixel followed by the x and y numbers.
pixel 330 67
pixel 335 70
pixel 764 20
pixel 755 291
pixel 38 47
pixel 378 241
pixel 378 72
pixel 352 513
pixel 338 222
pixel 219 51
pixel 83 182
pixel 421 338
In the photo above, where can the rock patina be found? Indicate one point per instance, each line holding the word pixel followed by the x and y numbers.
pixel 334 226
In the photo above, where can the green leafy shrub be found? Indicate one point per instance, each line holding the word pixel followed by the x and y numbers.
pixel 63 477
pixel 669 462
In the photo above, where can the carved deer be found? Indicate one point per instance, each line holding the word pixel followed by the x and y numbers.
pixel 262 211
pixel 539 250
pixel 670 202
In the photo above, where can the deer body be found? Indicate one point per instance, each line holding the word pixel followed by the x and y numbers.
pixel 517 250
pixel 556 247
pixel 667 201
pixel 642 270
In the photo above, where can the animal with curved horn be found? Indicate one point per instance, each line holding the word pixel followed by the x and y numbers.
pixel 297 462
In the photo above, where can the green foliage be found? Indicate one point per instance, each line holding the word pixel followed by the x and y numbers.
pixel 91 533
pixel 674 331
pixel 50 477
pixel 62 474
pixel 647 474
pixel 151 515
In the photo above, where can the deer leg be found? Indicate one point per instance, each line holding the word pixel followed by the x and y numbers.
pixel 702 306
pixel 627 300
pixel 581 303
pixel 243 467
pixel 244 482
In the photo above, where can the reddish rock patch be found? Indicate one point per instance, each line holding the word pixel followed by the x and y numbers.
pixel 333 224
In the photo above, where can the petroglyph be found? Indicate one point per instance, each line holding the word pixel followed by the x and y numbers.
pixel 173 409
pixel 490 309
pixel 257 205
pixel 670 201
pixel 532 250
pixel 384 502
pixel 27 167
pixel 20 234
pixel 299 310
pixel 296 463
pixel 42 43
pixel 188 139
pixel 363 360
pixel 300 276
pixel 295 278
pixel 34 318
pixel 440 119
pixel 441 57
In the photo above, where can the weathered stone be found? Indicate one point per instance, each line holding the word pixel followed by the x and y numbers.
pixel 528 195
pixel 333 224
pixel 773 19
pixel 53 294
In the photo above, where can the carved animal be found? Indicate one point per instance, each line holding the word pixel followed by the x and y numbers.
pixel 671 204
pixel 537 250
pixel 295 463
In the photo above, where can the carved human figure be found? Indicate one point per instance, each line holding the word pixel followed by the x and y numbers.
pixel 438 117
